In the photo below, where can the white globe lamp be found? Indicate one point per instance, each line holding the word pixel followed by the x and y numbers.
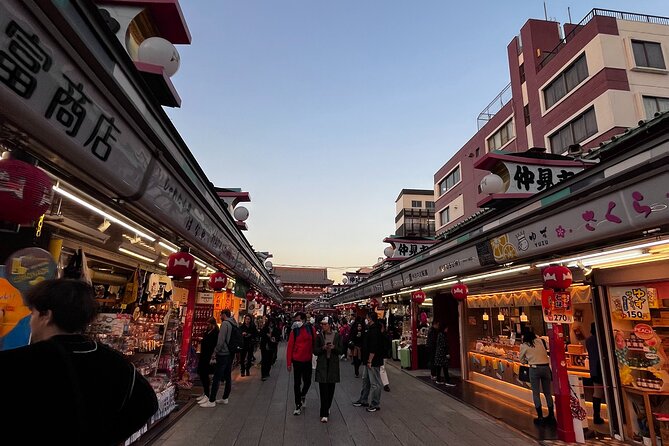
pixel 389 251
pixel 159 51
pixel 241 213
pixel 344 280
pixel 268 264
pixel 492 184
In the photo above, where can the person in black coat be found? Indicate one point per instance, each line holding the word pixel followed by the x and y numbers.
pixel 204 368
pixel 269 342
pixel 66 388
pixel 249 335
pixel 432 348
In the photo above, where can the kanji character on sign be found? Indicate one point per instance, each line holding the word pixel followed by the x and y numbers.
pixel 564 175
pixel 545 179
pixel 523 177
pixel 68 104
pixel 413 249
pixel 102 137
pixel 23 60
pixel 403 249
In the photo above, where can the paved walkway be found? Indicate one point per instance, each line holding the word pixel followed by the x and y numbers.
pixel 260 413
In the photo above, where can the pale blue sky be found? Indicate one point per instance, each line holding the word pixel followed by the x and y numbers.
pixel 324 110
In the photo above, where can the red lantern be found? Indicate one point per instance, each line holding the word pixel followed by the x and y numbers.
pixel 25 192
pixel 373 302
pixel 218 281
pixel 418 297
pixel 459 291
pixel 557 277
pixel 180 265
pixel 250 295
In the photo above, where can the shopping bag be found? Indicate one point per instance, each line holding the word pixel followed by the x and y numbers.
pixel 384 375
pixel 524 374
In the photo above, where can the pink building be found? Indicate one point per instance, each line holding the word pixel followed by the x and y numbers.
pixel 606 74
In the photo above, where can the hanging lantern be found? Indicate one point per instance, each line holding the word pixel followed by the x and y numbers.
pixel 459 291
pixel 373 302
pixel 250 295
pixel 486 317
pixel 180 265
pixel 218 281
pixel 25 192
pixel 557 277
pixel 418 297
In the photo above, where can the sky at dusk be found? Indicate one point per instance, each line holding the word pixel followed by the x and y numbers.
pixel 325 110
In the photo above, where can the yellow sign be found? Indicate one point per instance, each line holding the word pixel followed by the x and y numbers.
pixel 12 309
pixel 630 303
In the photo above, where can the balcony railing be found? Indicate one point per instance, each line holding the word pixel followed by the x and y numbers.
pixel 496 105
pixel 620 15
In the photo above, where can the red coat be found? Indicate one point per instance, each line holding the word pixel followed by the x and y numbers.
pixel 300 348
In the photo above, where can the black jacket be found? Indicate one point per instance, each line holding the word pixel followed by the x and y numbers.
pixel 207 346
pixel 266 336
pixel 252 333
pixel 373 343
pixel 71 390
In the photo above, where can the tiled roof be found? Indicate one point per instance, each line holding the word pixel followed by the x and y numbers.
pixel 305 276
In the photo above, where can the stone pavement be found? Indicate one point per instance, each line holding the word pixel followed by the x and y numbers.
pixel 412 413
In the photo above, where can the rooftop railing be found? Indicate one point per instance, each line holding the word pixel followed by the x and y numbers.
pixel 496 105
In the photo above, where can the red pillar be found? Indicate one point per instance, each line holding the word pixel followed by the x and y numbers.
pixel 191 285
pixel 414 336
pixel 561 389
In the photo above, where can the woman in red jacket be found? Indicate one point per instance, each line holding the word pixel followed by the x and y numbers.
pixel 298 354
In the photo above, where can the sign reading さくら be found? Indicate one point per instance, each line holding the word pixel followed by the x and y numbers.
pixel 630 303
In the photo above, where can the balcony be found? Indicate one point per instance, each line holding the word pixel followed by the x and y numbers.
pixel 495 105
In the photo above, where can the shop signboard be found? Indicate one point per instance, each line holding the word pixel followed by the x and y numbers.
pixel 639 206
pixel 630 303
pixel 557 306
pixel 205 298
pixel 417 276
pixel 405 248
pixel 14 318
pixel 28 267
pixel 459 262
pixel 535 176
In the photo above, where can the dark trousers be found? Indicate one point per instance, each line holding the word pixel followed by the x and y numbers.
pixel 203 373
pixel 245 358
pixel 327 395
pixel 302 380
pixel 223 372
pixel 266 361
pixel 439 368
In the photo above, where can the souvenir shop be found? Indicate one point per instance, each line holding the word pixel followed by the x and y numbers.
pixel 96 184
pixel 609 225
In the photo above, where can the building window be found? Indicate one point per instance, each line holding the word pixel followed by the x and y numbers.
pixel 444 216
pixel 521 70
pixel 478 152
pixel 501 136
pixel 526 114
pixel 566 81
pixel 655 105
pixel 451 180
pixel 416 204
pixel 575 132
pixel 429 204
pixel 648 54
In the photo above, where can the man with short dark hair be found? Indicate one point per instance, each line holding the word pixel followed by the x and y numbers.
pixel 66 388
pixel 372 356
pixel 224 358
pixel 299 352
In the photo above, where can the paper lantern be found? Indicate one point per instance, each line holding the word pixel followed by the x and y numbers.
pixel 161 52
pixel 180 265
pixel 557 277
pixel 418 297
pixel 25 192
pixel 250 295
pixel 373 302
pixel 459 291
pixel 218 281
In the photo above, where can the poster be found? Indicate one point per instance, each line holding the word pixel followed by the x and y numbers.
pixel 557 307
pixel 14 318
pixel 630 303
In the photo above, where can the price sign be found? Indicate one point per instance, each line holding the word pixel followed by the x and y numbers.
pixel 630 303
pixel 557 307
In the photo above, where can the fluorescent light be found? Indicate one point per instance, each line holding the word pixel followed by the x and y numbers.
pixel 170 248
pixel 203 277
pixel 134 254
pixel 162 264
pixel 496 273
pixel 200 263
pixel 609 259
pixel 609 252
pixel 449 278
pixel 103 213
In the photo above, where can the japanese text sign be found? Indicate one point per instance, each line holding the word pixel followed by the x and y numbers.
pixel 630 303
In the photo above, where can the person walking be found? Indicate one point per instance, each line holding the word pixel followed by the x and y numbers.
pixel 432 348
pixel 344 334
pixel 327 349
pixel 66 388
pixel 207 346
pixel 595 374
pixel 533 351
pixel 357 338
pixel 249 334
pixel 442 357
pixel 269 342
pixel 372 356
pixel 224 352
pixel 299 352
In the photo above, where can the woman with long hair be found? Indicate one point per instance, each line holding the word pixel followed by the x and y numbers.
pixel 204 368
pixel 534 352
pixel 269 341
pixel 357 338
pixel 249 334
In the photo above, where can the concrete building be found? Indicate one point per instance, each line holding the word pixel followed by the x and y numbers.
pixel 414 213
pixel 606 74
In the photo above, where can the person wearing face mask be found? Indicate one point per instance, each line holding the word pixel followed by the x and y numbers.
pixel 299 352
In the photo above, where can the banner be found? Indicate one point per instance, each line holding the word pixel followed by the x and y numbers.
pixel 630 303
pixel 557 307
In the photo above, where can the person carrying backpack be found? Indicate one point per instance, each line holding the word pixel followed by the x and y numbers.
pixel 229 342
pixel 298 354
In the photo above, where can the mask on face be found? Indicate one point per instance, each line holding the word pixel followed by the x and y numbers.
pixel 366 321
pixel 312 320
pixel 297 324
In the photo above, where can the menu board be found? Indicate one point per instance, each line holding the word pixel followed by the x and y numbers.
pixel 630 303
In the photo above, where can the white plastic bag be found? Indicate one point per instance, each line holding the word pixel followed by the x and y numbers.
pixel 384 375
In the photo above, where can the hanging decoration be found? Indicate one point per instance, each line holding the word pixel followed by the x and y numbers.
pixel 25 192
pixel 418 297
pixel 180 265
pixel 218 281
pixel 459 291
pixel 373 302
pixel 557 277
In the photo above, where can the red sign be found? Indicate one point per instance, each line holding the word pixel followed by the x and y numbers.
pixel 557 307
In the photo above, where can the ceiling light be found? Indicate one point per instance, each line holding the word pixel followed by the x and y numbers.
pixel 500 317
pixel 523 317
pixel 169 247
pixel 162 265
pixel 98 211
pixel 486 316
pixel 496 273
pixel 134 254
pixel 604 253
pixel 608 259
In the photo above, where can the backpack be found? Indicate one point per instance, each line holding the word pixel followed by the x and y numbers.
pixel 310 330
pixel 235 342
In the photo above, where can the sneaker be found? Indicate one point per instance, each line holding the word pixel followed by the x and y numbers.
pixel 324 419
pixel 208 404
pixel 439 382
pixel 264 378
pixel 304 402
pixel 386 388
pixel 297 411
pixel 433 378
pixel 449 384
pixel 222 401
pixel 202 399
pixel 360 404
pixel 373 409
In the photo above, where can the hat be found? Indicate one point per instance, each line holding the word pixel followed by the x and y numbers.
pixel 326 320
